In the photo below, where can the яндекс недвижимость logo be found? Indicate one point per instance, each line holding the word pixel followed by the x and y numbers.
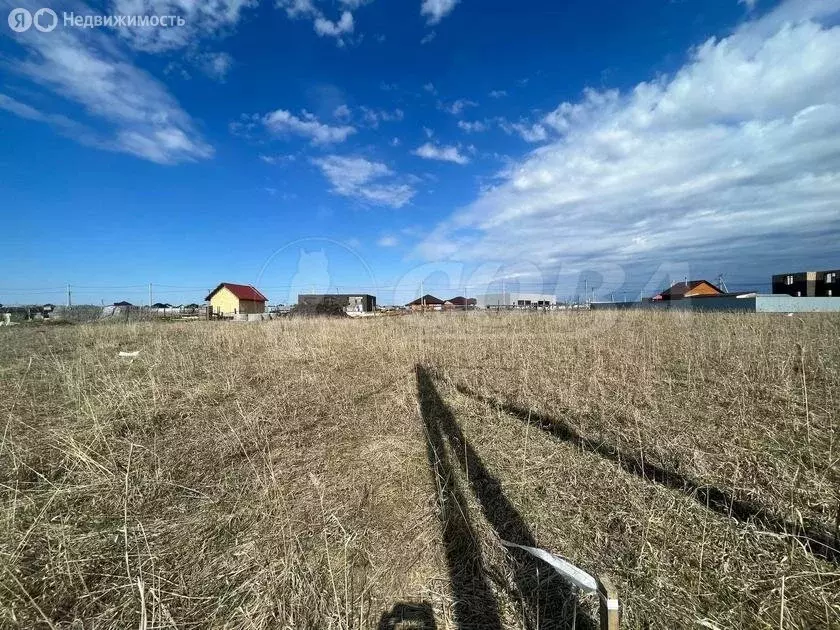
pixel 44 20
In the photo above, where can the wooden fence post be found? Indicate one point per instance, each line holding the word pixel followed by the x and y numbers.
pixel 608 597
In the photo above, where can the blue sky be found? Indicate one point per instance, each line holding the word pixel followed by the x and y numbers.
pixel 365 145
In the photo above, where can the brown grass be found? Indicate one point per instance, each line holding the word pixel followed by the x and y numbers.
pixel 336 474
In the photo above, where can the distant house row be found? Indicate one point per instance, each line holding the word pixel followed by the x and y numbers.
pixel 800 284
pixel 431 303
pixel 229 299
pixel 243 299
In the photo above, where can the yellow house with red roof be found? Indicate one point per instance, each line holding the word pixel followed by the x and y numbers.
pixel 234 299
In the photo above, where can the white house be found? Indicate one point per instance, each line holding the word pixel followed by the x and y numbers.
pixel 514 298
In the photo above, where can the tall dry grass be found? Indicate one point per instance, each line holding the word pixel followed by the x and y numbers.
pixel 280 475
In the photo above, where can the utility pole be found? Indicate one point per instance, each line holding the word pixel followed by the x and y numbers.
pixel 69 298
pixel 504 294
pixel 150 295
pixel 586 289
pixel 422 299
pixel 722 283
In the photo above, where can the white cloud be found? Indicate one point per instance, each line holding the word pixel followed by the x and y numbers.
pixel 750 3
pixel 135 112
pixel 342 112
pixel 283 122
pixel 436 10
pixel 326 28
pixel 369 115
pixel 472 127
pixel 734 157
pixel 298 8
pixel 25 111
pixel 430 88
pixel 360 178
pixel 374 116
pixel 428 37
pixel 431 151
pixel 215 65
pixel 323 26
pixel 388 241
pixel 533 133
pixel 201 19
pixel 278 159
pixel 498 94
pixel 530 132
pixel 457 107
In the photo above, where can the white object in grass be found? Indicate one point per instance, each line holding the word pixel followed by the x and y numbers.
pixel 576 576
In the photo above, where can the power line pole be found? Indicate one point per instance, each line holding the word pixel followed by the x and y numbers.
pixel 69 297
pixel 150 295
pixel 586 289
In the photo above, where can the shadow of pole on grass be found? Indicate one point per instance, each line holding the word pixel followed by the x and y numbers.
pixel 817 542
pixel 475 606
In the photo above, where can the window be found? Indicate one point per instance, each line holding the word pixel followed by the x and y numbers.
pixel 788 280
pixel 831 278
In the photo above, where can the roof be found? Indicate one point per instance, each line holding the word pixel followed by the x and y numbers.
pixel 123 304
pixel 462 301
pixel 311 296
pixel 426 299
pixel 681 288
pixel 241 291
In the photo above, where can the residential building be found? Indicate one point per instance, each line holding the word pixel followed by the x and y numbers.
pixel 513 299
pixel 808 283
pixel 690 289
pixel 426 303
pixel 350 302
pixel 459 303
pixel 236 299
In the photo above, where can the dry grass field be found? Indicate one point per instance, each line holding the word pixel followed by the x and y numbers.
pixel 344 474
